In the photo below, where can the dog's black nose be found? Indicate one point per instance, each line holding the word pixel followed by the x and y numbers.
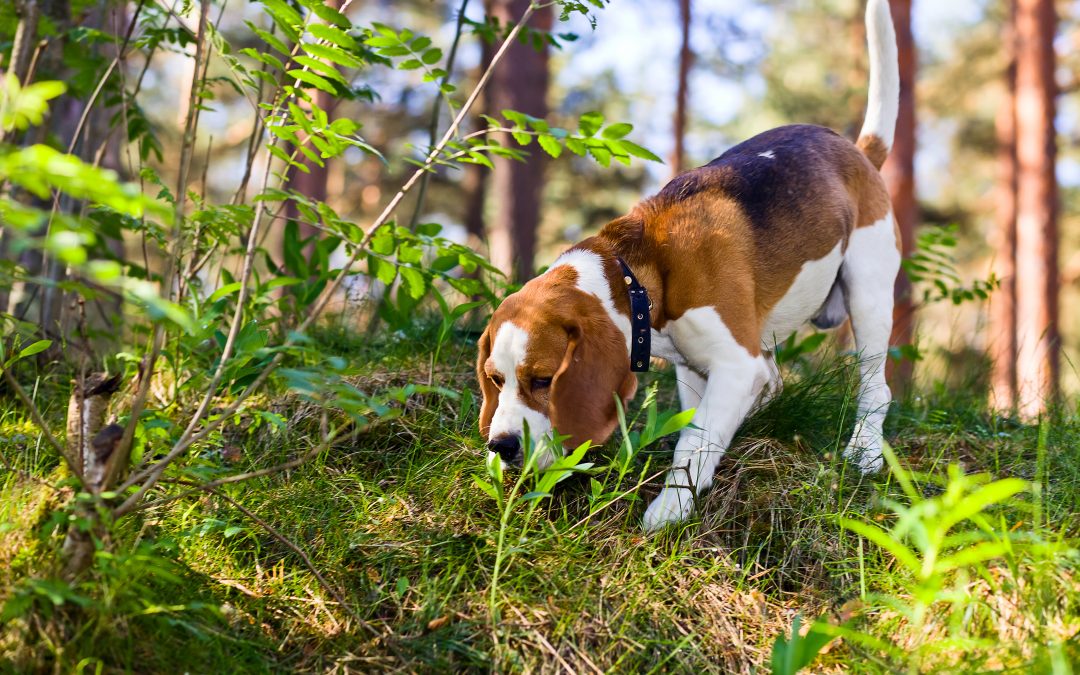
pixel 508 447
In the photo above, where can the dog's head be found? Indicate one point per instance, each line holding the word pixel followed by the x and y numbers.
pixel 551 359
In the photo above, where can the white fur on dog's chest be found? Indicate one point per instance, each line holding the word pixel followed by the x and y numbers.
pixel 803 299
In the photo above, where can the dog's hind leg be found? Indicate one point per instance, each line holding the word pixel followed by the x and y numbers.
pixel 868 274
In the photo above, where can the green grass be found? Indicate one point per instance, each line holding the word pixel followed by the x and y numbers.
pixel 392 517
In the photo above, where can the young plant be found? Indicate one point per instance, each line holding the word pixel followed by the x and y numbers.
pixel 508 502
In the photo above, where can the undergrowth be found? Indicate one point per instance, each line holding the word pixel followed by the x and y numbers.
pixel 393 517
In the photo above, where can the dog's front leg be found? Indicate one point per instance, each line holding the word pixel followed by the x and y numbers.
pixel 733 385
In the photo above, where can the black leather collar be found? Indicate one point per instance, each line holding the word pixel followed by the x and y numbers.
pixel 640 329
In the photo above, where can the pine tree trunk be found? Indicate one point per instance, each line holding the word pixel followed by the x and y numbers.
pixel 313 183
pixel 474 182
pixel 1002 330
pixel 899 173
pixel 1036 208
pixel 520 82
pixel 678 155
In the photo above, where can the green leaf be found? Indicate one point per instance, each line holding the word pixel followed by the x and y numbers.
pixel 330 14
pixel 35 348
pixel 324 68
pixel 550 145
pixel 227 289
pixel 529 496
pixel 414 282
pixel 270 39
pixel 880 537
pixel 638 151
pixel 576 146
pixel 676 422
pixel 617 131
pixel 972 555
pixel 431 56
pixel 333 35
pixel 590 123
pixel 333 54
pixel 308 77
pixel 988 495
pixel 487 487
pixel 791 656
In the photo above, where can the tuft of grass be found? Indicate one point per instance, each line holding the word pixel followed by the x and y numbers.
pixel 392 517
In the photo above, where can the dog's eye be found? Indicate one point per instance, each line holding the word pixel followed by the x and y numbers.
pixel 541 382
pixel 497 380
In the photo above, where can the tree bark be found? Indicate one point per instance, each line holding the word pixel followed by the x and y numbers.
pixel 312 184
pixel 1036 204
pixel 474 181
pixel 1002 330
pixel 520 82
pixel 899 173
pixel 686 57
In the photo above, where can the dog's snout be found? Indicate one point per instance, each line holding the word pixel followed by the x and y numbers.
pixel 508 448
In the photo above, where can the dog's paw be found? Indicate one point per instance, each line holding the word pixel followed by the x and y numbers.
pixel 865 454
pixel 672 505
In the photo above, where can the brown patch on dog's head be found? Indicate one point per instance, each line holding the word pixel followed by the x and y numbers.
pixel 568 363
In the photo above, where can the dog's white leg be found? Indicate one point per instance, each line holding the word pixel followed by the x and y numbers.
pixel 870 266
pixel 775 384
pixel 691 386
pixel 735 379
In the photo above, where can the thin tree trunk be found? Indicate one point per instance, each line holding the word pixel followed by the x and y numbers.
pixel 1002 338
pixel 22 49
pixel 312 184
pixel 519 83
pixel 899 173
pixel 1036 203
pixel 474 182
pixel 686 57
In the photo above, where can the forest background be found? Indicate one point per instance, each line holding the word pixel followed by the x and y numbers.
pixel 247 247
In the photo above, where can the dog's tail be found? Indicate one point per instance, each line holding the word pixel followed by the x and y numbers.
pixel 879 128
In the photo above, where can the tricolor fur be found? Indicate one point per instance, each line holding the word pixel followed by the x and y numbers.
pixel 793 225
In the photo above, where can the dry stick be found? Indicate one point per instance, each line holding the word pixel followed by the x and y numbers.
pixel 186 150
pixel 153 473
pixel 300 552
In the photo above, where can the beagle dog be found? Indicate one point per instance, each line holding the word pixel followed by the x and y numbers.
pixel 793 225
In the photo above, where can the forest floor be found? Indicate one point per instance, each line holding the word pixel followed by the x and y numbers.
pixel 392 516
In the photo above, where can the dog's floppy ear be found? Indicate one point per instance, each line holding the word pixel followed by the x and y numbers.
pixel 487 388
pixel 594 369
